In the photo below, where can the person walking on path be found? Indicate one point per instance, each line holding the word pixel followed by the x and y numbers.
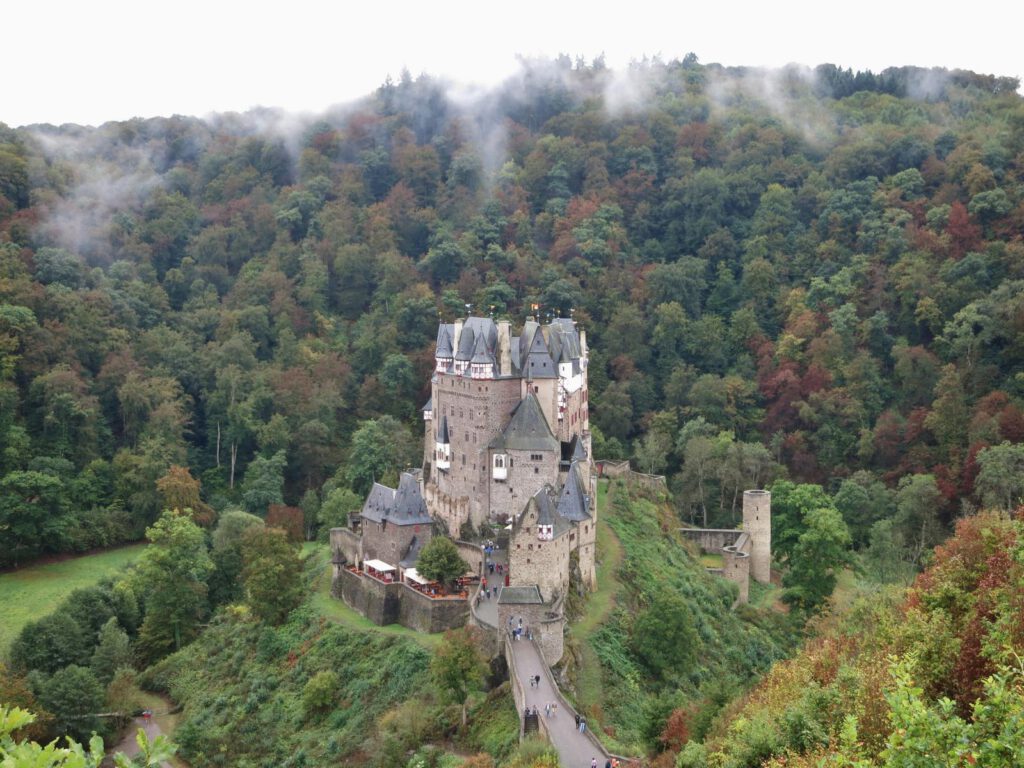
pixel 593 762
pixel 577 721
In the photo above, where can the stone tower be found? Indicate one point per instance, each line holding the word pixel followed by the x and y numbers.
pixel 757 522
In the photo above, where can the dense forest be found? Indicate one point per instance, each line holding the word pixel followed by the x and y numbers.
pixel 804 279
pixel 803 273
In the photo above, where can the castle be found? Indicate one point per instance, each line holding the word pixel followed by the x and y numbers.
pixel 506 446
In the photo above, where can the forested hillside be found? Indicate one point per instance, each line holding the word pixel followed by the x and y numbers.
pixel 928 677
pixel 812 273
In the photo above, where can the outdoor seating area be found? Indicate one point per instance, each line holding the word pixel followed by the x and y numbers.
pixel 379 570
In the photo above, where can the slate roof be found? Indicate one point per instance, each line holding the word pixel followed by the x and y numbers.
pixel 520 596
pixel 563 340
pixel 534 356
pixel 412 554
pixel 378 501
pixel 527 430
pixel 442 430
pixel 574 450
pixel 429 406
pixel 404 506
pixel 445 334
pixel 547 511
pixel 477 331
pixel 574 501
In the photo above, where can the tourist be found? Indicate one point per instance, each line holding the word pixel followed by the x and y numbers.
pixel 547 710
pixel 608 763
pixel 583 725
pixel 593 762
pixel 536 681
pixel 554 707
pixel 577 721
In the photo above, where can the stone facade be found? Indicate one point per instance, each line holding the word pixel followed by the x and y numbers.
pixel 397 603
pixel 745 552
pixel 543 621
pixel 757 521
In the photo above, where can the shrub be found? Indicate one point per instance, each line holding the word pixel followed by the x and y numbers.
pixel 320 692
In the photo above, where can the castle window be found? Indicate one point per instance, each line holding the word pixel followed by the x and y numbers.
pixel 527 561
pixel 536 470
pixel 536 390
pixel 519 546
pixel 529 546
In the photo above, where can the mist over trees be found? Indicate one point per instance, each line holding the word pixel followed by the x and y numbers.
pixel 811 274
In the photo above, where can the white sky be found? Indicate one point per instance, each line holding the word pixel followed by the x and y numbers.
pixel 89 61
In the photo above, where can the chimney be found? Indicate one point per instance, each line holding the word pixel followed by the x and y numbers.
pixel 504 347
pixel 583 343
pixel 457 333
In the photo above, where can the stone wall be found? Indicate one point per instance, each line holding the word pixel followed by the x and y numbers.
pixel 345 545
pixel 472 554
pixel 477 411
pixel 525 477
pixel 757 521
pixel 614 469
pixel 544 563
pixel 736 565
pixel 378 602
pixel 397 603
pixel 544 621
pixel 419 612
pixel 712 539
pixel 390 542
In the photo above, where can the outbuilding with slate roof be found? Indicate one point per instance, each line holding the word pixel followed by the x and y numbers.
pixel 395 522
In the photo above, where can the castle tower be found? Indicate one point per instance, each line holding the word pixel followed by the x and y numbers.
pixel 757 522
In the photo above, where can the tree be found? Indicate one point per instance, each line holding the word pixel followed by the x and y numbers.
pixel 440 561
pixel 862 499
pixel 112 652
pixel 335 510
pixel 917 514
pixel 32 506
pixel 1000 482
pixel 822 549
pixel 172 575
pixel 225 580
pixel 74 696
pixel 381 448
pixel 458 667
pixel 272 573
pixel 664 636
pixel 180 491
pixel 264 483
pixel 50 643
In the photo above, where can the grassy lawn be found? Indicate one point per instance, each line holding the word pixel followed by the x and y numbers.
pixel 336 610
pixel 600 603
pixel 35 590
pixel 712 560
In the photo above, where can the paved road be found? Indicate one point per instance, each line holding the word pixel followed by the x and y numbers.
pixel 574 749
pixel 487 611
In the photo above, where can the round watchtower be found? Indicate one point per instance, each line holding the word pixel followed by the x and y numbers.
pixel 757 522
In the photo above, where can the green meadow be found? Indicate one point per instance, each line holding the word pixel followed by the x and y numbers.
pixel 31 592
